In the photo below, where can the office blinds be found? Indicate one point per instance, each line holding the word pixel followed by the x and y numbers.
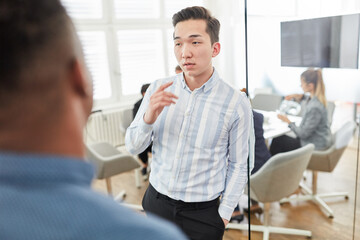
pixel 173 6
pixel 84 9
pixel 131 9
pixel 126 42
pixel 94 45
pixel 141 58
pixel 151 8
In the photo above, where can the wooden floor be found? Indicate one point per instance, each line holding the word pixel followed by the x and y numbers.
pixel 302 215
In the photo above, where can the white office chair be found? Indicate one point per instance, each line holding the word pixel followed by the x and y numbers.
pixel 326 161
pixel 330 111
pixel 266 102
pixel 126 119
pixel 109 161
pixel 278 178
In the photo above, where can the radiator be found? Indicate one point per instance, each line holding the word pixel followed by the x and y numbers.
pixel 105 127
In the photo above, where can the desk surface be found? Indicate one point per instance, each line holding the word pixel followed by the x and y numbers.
pixel 273 126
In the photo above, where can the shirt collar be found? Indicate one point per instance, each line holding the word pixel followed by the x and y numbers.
pixel 209 84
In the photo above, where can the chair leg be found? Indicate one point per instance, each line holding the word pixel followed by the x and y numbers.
pixel 316 198
pixel 266 229
pixel 108 186
pixel 266 214
pixel 120 197
pixel 133 206
pixel 138 177
pixel 314 182
pixel 323 206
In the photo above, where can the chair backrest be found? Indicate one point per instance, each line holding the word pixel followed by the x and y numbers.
pixel 108 161
pixel 126 119
pixel 326 161
pixel 266 90
pixel 330 111
pixel 344 134
pixel 281 174
pixel 266 102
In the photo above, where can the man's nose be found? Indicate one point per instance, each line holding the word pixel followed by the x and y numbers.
pixel 186 51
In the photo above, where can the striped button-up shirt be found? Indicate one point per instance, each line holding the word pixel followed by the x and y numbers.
pixel 200 144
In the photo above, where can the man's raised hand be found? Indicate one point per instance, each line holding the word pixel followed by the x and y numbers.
pixel 158 101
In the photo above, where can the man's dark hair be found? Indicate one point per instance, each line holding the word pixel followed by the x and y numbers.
pixel 178 68
pixel 144 88
pixel 212 24
pixel 27 30
pixel 38 47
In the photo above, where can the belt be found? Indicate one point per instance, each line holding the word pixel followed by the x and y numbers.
pixel 195 205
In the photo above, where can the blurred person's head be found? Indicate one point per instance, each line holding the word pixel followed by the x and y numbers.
pixel 44 83
pixel 196 36
pixel 144 87
pixel 178 69
pixel 312 82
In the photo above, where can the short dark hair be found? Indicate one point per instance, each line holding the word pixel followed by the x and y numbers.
pixel 178 68
pixel 38 47
pixel 144 88
pixel 27 29
pixel 196 12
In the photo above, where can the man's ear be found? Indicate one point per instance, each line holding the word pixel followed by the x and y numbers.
pixel 79 79
pixel 216 49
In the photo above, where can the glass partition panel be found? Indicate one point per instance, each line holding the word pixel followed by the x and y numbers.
pixel 305 194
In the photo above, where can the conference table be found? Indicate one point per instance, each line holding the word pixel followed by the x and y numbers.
pixel 273 126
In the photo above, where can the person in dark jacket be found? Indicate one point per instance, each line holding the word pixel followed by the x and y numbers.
pixel 262 155
pixel 144 157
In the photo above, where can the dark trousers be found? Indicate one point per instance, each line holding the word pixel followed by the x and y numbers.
pixel 144 155
pixel 199 221
pixel 284 144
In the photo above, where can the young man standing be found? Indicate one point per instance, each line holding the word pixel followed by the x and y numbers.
pixel 45 101
pixel 200 128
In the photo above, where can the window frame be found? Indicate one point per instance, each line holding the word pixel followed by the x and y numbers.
pixel 109 24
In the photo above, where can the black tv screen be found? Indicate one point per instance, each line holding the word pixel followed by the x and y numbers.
pixel 329 42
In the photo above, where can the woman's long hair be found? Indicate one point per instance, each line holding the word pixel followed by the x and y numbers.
pixel 315 77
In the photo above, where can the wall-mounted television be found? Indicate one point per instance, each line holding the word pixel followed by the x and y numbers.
pixel 329 42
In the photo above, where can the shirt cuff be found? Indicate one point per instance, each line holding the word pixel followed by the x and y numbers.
pixel 225 211
pixel 144 126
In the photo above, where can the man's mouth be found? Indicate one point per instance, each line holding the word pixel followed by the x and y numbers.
pixel 188 64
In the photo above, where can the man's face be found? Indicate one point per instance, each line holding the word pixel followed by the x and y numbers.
pixel 193 49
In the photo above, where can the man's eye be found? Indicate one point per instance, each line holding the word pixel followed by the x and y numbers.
pixel 196 43
pixel 177 44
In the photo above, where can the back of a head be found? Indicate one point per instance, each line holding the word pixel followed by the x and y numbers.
pixel 199 13
pixel 35 48
pixel 315 77
pixel 178 69
pixel 144 87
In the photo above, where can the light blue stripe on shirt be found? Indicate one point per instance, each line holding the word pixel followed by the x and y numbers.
pixel 200 144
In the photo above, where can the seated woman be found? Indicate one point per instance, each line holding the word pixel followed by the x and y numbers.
pixel 314 127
